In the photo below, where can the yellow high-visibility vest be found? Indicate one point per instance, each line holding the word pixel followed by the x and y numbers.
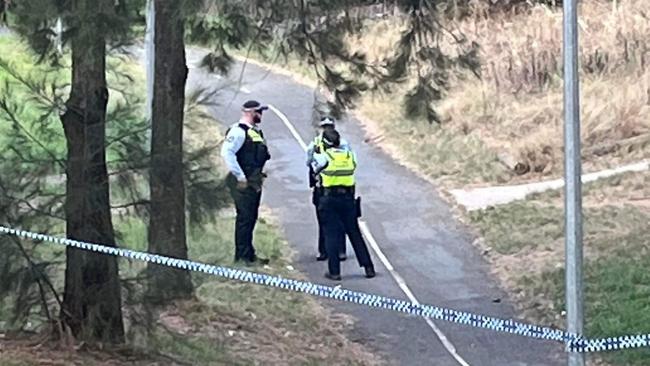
pixel 340 169
pixel 255 136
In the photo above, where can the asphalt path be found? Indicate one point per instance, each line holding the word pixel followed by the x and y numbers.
pixel 420 251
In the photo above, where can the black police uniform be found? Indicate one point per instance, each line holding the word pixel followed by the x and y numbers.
pixel 339 213
pixel 317 192
pixel 252 157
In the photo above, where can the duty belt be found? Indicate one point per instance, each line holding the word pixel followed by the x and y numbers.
pixel 333 191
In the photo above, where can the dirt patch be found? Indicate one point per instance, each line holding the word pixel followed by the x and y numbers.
pixel 34 350
pixel 264 340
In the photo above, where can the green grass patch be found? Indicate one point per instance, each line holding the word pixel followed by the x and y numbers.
pixel 617 255
pixel 521 225
pixel 210 243
pixel 617 300
pixel 517 226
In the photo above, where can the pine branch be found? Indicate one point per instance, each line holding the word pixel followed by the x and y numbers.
pixel 35 268
pixel 32 86
pixel 4 106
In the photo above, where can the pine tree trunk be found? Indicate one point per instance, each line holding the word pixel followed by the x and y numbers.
pixel 167 216
pixel 92 298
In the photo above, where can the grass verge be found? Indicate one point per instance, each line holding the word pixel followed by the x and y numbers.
pixel 239 323
pixel 529 235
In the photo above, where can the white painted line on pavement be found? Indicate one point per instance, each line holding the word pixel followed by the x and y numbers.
pixel 287 123
pixel 375 247
pixel 402 284
pixel 244 90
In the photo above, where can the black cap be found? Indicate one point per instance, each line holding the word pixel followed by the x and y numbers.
pixel 332 138
pixel 253 105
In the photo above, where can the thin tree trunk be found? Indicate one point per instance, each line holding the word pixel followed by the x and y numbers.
pixel 92 298
pixel 167 217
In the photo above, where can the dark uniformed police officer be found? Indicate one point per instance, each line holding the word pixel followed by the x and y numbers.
pixel 337 206
pixel 245 153
pixel 315 147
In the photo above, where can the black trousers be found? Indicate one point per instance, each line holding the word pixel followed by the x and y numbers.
pixel 247 204
pixel 316 194
pixel 339 215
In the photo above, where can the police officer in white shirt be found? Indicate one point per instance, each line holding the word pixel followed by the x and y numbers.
pixel 245 153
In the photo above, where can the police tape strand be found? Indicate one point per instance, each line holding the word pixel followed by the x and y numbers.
pixel 574 343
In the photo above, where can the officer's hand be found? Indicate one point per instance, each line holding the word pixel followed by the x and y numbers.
pixel 242 185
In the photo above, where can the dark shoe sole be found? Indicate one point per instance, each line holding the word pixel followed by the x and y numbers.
pixel 370 273
pixel 255 262
pixel 321 258
pixel 343 257
pixel 333 277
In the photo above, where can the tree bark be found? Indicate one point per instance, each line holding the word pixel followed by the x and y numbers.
pixel 167 189
pixel 92 299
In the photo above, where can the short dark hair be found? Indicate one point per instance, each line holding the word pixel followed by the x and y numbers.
pixel 332 137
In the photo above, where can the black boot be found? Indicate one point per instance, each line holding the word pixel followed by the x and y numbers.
pixel 332 277
pixel 370 272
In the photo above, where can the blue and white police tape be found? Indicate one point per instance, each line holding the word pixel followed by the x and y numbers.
pixel 574 343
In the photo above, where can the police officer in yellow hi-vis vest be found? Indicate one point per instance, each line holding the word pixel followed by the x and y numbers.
pixel 316 147
pixel 245 154
pixel 337 206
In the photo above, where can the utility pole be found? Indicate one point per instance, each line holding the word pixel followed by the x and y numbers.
pixel 572 174
pixel 150 47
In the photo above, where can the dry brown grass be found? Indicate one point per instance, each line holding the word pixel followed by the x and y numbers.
pixel 516 108
pixel 519 100
pixel 266 339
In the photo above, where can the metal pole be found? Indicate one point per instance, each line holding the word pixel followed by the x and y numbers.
pixel 58 29
pixel 572 173
pixel 150 48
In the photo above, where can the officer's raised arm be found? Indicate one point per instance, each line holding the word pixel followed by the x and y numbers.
pixel 310 153
pixel 234 141
pixel 319 162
